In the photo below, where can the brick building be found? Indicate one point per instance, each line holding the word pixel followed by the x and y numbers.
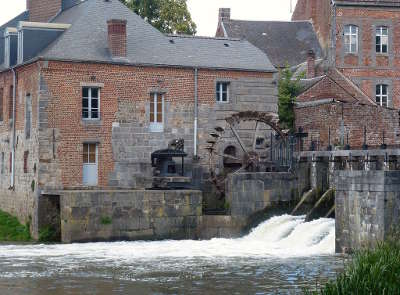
pixel 360 42
pixel 88 90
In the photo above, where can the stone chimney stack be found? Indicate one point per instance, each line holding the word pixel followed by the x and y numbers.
pixel 311 64
pixel 43 10
pixel 117 37
pixel 224 15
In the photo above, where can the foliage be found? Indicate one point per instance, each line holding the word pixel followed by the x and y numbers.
pixel 48 234
pixel 106 220
pixel 11 230
pixel 370 272
pixel 168 16
pixel 288 89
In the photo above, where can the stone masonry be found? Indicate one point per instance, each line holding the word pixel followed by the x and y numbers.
pixel 367 207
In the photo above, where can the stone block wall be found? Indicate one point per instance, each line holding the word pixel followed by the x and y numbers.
pixel 367 207
pixel 251 193
pixel 129 215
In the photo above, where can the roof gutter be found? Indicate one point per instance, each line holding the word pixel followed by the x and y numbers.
pixel 196 112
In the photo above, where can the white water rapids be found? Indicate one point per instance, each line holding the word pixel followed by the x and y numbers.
pixel 282 237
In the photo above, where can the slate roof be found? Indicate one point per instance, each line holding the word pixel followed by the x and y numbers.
pixel 86 40
pixel 395 3
pixel 283 42
pixel 12 23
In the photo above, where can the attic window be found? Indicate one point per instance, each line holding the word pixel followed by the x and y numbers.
pixel 226 45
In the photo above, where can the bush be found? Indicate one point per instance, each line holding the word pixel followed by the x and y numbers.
pixel 11 230
pixel 370 272
pixel 48 234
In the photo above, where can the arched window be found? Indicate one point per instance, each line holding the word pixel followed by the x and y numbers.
pixel 351 39
pixel 382 40
pixel 382 95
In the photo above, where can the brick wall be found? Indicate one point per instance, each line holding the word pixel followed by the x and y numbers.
pixel 368 68
pixel 43 10
pixel 316 121
pixel 125 142
pixel 319 12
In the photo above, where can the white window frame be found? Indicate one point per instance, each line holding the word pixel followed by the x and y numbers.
pixel 380 96
pixel 379 32
pixel 154 125
pixel 95 165
pixel 219 91
pixel 351 35
pixel 90 98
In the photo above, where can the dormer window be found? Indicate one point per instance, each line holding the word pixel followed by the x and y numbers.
pixel 10 39
pixel 351 39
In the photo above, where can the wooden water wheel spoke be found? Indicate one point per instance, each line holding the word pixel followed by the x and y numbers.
pixel 255 136
pixel 239 139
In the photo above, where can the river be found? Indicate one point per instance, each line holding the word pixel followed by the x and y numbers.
pixel 283 255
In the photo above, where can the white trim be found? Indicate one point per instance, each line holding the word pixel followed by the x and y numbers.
pixel 157 126
pixel 381 96
pixel 382 36
pixel 90 104
pixel 351 34
pixel 43 25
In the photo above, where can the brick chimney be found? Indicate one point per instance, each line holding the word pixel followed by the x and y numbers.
pixel 43 10
pixel 224 15
pixel 311 64
pixel 117 37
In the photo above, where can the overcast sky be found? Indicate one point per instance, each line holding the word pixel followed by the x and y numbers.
pixel 204 12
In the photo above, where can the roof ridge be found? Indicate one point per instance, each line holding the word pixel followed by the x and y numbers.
pixel 201 37
pixel 268 21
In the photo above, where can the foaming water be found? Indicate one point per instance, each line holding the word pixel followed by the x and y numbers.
pixel 282 255
pixel 283 236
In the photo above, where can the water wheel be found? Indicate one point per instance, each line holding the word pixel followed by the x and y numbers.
pixel 249 153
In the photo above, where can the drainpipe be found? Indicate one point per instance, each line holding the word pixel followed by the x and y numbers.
pixel 196 110
pixel 13 130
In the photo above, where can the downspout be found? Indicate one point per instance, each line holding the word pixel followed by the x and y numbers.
pixel 13 130
pixel 196 112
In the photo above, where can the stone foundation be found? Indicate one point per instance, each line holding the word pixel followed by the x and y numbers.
pixel 129 215
pixel 367 207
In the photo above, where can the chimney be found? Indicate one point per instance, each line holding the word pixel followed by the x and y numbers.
pixel 224 15
pixel 43 10
pixel 117 37
pixel 311 64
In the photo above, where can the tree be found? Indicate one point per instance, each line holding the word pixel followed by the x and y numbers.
pixel 288 89
pixel 168 16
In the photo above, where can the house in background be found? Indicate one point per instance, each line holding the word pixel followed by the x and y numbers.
pixel 88 90
pixel 285 43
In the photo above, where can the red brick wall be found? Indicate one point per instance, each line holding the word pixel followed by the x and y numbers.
pixel 316 120
pixel 121 83
pixel 370 68
pixel 43 10
pixel 318 11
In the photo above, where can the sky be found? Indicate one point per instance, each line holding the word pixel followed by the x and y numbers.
pixel 204 12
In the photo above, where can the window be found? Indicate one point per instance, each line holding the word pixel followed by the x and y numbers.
pixel 28 116
pixel 1 104
pixel 382 40
pixel 222 92
pixel 156 112
pixel 26 155
pixel 351 39
pixel 11 102
pixel 382 95
pixel 90 103
pixel 90 167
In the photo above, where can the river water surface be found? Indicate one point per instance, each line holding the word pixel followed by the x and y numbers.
pixel 283 255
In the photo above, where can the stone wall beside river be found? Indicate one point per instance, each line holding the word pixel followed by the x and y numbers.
pixel 129 215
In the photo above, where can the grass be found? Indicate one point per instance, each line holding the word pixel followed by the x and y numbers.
pixel 373 272
pixel 11 230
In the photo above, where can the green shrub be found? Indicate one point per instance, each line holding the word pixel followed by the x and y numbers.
pixel 11 230
pixel 370 272
pixel 106 220
pixel 48 234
